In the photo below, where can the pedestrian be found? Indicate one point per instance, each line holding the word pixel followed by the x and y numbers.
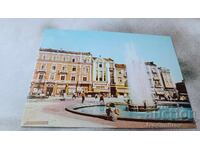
pixel 156 103
pixel 145 105
pixel 108 113
pixel 114 113
pixel 73 96
pixel 101 98
pixel 83 97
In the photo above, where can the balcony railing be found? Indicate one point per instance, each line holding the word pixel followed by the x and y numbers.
pixel 62 72
pixel 41 70
pixel 156 78
pixel 39 80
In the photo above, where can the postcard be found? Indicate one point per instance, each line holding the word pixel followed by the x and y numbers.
pixel 99 79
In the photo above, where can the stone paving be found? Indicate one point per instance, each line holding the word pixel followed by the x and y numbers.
pixel 51 113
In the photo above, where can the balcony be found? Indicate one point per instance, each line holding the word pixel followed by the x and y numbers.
pixel 157 85
pixel 156 78
pixel 62 82
pixel 41 70
pixel 84 82
pixel 39 80
pixel 62 72
pixel 50 81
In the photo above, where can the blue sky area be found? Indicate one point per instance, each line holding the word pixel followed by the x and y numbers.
pixel 158 49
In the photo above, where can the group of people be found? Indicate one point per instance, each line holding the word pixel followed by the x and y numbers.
pixel 82 96
pixel 112 112
pixel 101 97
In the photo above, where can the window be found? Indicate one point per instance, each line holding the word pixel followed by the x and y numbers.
pixel 57 58
pixel 52 76
pixel 62 77
pixel 155 75
pixel 41 76
pixel 120 79
pixel 53 67
pixel 120 72
pixel 84 69
pixel 100 65
pixel 74 69
pixel 84 78
pixel 104 76
pixel 126 83
pixel 73 60
pixel 101 76
pixel 64 68
pixel 42 67
pixel 73 78
pixel 54 57
pixel 96 75
pixel 157 83
pixel 125 74
pixel 87 69
pixel 153 70
pixel 43 57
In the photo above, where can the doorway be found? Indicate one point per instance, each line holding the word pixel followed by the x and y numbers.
pixel 49 91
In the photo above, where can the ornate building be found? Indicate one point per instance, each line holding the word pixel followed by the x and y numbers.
pixel 103 75
pixel 59 71
pixel 161 83
pixel 121 80
pixel 170 90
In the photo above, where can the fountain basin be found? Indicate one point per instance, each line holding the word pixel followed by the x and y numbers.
pixel 162 114
pixel 142 108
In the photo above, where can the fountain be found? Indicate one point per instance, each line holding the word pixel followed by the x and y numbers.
pixel 141 104
pixel 138 83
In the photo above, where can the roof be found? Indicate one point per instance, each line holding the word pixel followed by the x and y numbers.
pixel 63 51
pixel 150 63
pixel 107 59
pixel 120 65
pixel 162 69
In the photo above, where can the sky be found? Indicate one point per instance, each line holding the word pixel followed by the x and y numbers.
pixel 158 49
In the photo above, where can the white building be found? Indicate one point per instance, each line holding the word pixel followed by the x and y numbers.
pixel 103 75
pixel 162 85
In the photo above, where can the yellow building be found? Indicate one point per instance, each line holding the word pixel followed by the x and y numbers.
pixel 57 72
pixel 121 80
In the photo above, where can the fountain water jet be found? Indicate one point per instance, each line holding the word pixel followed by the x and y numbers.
pixel 138 80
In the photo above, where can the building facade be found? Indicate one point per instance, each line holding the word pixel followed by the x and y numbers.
pixel 169 87
pixel 103 75
pixel 121 80
pixel 182 91
pixel 155 79
pixel 161 82
pixel 58 71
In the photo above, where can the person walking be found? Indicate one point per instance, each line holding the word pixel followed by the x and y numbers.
pixel 101 100
pixel 83 97
pixel 73 96
pixel 108 113
pixel 114 113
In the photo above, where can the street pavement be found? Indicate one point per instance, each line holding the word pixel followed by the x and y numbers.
pixel 51 113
